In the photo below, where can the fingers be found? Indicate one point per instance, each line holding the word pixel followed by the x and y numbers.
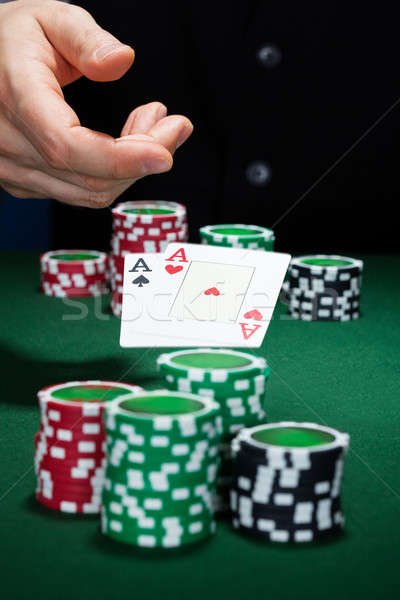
pixel 29 183
pixel 82 42
pixel 144 118
pixel 53 128
pixel 172 131
pixel 21 193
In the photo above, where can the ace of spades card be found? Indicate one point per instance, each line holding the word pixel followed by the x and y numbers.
pixel 201 295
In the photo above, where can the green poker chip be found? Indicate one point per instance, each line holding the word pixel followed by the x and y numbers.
pixel 235 380
pixel 178 500
pixel 148 533
pixel 212 366
pixel 238 236
pixel 161 473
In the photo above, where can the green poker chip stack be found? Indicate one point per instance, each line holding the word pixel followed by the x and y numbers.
pixel 251 237
pixel 162 464
pixel 235 380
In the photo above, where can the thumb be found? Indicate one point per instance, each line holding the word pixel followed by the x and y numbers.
pixel 83 43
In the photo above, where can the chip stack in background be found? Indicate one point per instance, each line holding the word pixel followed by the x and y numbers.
pixel 162 461
pixel 142 226
pixel 235 380
pixel 70 445
pixel 287 481
pixel 74 273
pixel 324 288
pixel 251 237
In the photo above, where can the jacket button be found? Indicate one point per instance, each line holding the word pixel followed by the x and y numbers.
pixel 269 56
pixel 258 173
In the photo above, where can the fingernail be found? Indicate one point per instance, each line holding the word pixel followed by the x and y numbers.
pixel 106 49
pixel 156 165
pixel 185 133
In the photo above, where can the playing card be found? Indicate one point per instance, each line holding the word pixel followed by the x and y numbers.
pixel 140 275
pixel 201 295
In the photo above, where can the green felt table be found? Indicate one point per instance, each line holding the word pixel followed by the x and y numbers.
pixel 345 375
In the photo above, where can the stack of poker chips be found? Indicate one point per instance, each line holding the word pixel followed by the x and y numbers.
pixel 324 288
pixel 162 461
pixel 74 273
pixel 251 237
pixel 235 380
pixel 287 481
pixel 142 226
pixel 70 445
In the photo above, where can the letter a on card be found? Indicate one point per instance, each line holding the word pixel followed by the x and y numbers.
pixel 248 330
pixel 179 253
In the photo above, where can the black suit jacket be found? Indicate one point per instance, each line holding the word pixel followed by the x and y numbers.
pixel 316 120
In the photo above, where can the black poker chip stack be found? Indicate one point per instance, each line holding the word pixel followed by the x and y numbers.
pixel 324 288
pixel 288 494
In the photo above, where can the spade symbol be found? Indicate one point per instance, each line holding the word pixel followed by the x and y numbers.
pixel 141 280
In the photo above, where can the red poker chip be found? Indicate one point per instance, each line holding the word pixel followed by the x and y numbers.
pixel 122 247
pixel 51 262
pixel 80 444
pixel 46 394
pixel 61 465
pixel 148 231
pixel 60 453
pixel 58 434
pixel 94 481
pixel 61 486
pixel 63 489
pixel 86 410
pixel 71 421
pixel 58 292
pixel 89 466
pixel 176 211
pixel 78 281
pixel 71 458
pixel 116 309
pixel 52 496
pixel 67 506
pixel 36 439
pixel 62 476
pixel 70 475
pixel 58 488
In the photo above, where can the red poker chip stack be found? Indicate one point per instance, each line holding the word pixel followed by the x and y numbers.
pixel 70 445
pixel 74 273
pixel 142 226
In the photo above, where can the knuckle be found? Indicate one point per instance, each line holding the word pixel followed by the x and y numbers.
pixel 55 152
pixel 97 185
pixel 117 168
pixel 99 200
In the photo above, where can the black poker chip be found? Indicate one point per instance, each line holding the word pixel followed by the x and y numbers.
pixel 323 288
pixel 286 481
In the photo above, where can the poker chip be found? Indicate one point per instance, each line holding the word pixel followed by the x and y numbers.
pixel 324 288
pixel 251 237
pixel 74 273
pixel 142 227
pixel 235 380
pixel 160 479
pixel 70 446
pixel 287 481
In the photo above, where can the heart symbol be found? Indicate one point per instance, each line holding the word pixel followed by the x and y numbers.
pixel 171 269
pixel 253 314
pixel 212 291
